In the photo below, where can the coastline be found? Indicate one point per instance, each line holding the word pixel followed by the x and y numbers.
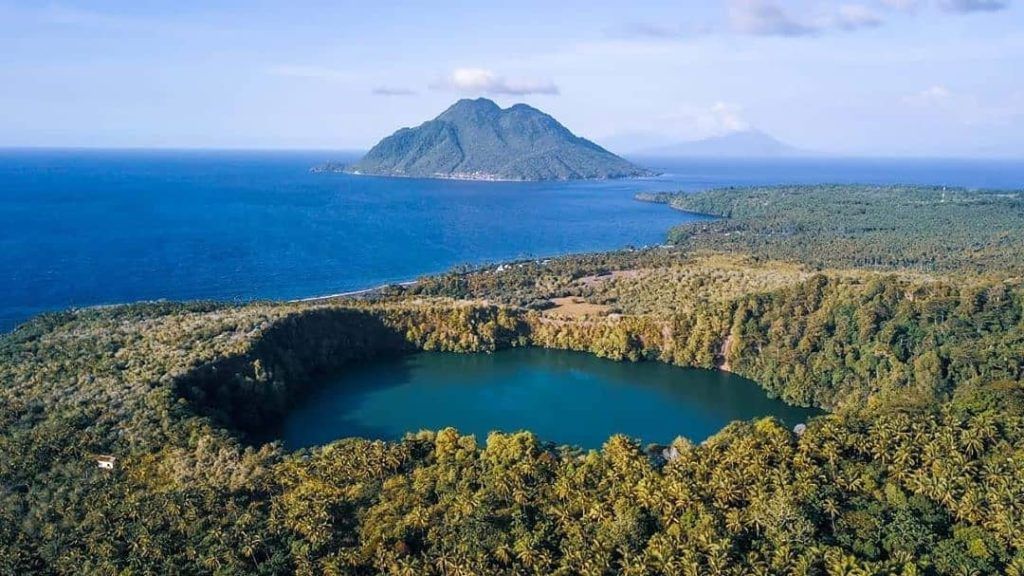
pixel 480 178
pixel 352 293
pixel 10 327
pixel 665 199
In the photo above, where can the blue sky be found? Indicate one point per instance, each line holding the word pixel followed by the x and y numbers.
pixel 858 77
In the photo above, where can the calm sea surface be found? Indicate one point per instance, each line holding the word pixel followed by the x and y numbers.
pixel 564 397
pixel 80 227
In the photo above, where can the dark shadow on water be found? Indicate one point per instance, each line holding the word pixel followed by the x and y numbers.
pixel 327 405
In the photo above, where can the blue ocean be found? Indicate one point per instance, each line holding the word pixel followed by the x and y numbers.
pixel 87 227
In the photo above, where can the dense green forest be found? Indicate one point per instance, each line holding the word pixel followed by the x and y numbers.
pixel 811 338
pixel 915 470
pixel 894 227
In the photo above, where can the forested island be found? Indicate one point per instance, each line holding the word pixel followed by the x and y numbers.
pixel 478 140
pixel 899 310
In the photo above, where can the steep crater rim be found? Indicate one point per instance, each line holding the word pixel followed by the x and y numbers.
pixel 248 392
pixel 249 395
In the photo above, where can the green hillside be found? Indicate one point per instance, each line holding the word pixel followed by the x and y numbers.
pixel 477 140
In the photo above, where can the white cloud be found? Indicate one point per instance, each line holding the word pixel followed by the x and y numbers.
pixel 658 31
pixel 765 18
pixel 777 18
pixel 929 97
pixel 936 93
pixel 646 30
pixel 905 5
pixel 393 91
pixel 483 81
pixel 691 122
pixel 724 118
pixel 973 5
pixel 854 16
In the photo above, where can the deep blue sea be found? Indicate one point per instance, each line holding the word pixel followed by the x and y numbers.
pixel 84 227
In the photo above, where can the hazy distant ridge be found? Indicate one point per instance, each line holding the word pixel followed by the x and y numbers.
pixel 748 143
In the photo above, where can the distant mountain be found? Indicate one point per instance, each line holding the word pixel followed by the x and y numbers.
pixel 478 140
pixel 749 143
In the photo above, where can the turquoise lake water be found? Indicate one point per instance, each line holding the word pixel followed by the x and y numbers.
pixel 564 397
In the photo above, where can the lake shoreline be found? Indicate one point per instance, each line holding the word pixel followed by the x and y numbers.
pixel 480 393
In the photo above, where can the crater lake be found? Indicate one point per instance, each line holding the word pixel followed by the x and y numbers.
pixel 563 397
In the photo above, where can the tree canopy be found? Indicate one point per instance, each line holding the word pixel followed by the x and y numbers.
pixel 916 468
